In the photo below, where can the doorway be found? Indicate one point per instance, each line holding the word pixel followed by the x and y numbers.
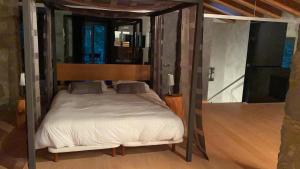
pixel 266 80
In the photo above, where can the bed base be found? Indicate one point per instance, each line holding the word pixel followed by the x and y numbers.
pixel 55 152
pixel 173 149
pixel 55 155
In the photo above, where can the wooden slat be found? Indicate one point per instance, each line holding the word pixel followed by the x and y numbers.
pixel 207 10
pixel 74 72
pixel 262 10
pixel 283 7
pixel 214 9
pixel 237 9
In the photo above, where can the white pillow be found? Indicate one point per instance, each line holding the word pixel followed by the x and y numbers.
pixel 147 88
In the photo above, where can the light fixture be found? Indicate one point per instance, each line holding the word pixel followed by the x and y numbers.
pixel 22 79
pixel 170 83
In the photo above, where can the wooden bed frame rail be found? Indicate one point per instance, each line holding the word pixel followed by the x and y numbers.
pixel 114 152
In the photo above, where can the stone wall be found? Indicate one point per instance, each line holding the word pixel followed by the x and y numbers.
pixel 9 53
pixel 289 157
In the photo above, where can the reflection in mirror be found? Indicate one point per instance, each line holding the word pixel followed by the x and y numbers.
pixel 91 40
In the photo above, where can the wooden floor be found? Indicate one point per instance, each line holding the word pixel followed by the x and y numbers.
pixel 238 136
pixel 13 146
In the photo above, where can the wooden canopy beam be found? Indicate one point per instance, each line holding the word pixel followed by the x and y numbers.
pixel 283 6
pixel 195 123
pixel 99 13
pixel 28 9
pixel 262 10
pixel 172 9
pixel 113 5
pixel 233 7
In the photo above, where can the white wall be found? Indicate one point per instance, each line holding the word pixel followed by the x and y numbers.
pixel 229 45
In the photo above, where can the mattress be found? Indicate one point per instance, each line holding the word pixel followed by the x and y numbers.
pixel 108 120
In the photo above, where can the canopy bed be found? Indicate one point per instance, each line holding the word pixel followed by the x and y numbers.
pixel 107 119
pixel 170 128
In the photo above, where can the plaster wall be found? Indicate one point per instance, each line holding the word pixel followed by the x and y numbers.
pixel 228 55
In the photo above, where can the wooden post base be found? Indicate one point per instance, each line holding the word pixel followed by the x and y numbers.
pixel 113 152
pixel 173 147
pixel 122 150
pixel 55 157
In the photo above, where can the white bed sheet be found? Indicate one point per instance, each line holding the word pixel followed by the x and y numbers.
pixel 107 119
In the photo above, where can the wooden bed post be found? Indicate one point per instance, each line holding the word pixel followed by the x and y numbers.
pixel 196 91
pixel 54 57
pixel 173 147
pixel 30 79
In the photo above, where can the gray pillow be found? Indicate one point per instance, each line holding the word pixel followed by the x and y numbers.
pixel 85 88
pixel 131 88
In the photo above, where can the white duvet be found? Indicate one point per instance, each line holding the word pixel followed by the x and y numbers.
pixel 107 119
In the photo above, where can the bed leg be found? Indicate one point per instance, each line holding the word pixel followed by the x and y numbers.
pixel 113 152
pixel 122 150
pixel 55 157
pixel 174 147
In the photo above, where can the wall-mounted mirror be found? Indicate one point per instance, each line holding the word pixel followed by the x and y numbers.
pixel 92 40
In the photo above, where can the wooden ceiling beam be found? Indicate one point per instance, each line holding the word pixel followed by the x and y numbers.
pixel 208 9
pixel 214 9
pixel 282 6
pixel 237 9
pixel 257 8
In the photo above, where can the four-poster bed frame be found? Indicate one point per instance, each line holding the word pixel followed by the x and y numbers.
pixel 111 10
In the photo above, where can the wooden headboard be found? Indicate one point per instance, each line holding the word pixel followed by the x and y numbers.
pixel 74 72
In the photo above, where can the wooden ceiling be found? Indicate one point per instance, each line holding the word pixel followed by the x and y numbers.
pixel 253 8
